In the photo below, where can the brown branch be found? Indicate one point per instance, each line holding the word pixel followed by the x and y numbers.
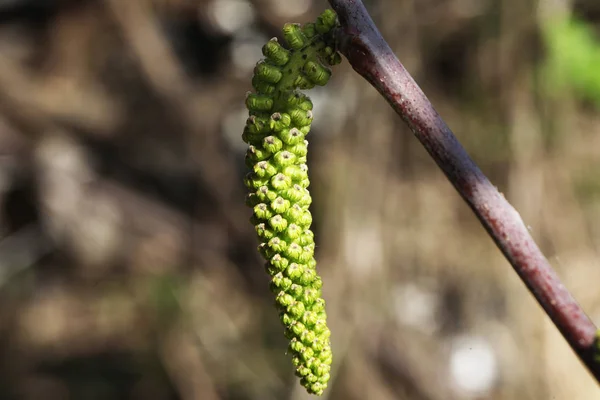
pixel 370 56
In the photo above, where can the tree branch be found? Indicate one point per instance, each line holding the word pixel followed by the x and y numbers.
pixel 370 56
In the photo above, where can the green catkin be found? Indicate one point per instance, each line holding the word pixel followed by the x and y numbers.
pixel 280 117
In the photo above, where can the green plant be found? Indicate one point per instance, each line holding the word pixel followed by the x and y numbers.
pixel 573 59
pixel 280 118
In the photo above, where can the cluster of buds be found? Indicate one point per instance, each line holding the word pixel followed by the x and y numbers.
pixel 280 118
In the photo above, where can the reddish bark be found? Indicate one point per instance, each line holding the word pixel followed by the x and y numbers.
pixel 370 56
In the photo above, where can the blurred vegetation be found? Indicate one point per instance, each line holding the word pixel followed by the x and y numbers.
pixel 573 59
pixel 128 267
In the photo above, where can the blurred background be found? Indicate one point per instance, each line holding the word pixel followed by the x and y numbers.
pixel 128 267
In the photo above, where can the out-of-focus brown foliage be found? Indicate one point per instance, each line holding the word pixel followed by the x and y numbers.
pixel 128 268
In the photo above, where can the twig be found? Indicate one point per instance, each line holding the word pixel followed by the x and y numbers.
pixel 371 57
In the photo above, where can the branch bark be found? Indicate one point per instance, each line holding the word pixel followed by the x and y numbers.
pixel 370 56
